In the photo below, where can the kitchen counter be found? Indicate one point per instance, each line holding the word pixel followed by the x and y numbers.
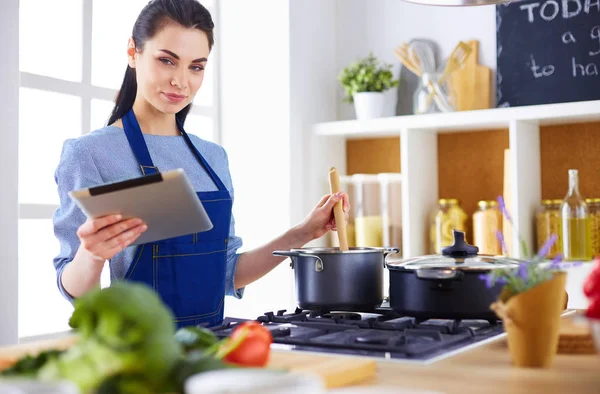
pixel 484 369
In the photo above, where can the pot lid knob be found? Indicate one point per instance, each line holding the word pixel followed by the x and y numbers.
pixel 460 247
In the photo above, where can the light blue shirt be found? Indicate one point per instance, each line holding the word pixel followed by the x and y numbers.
pixel 104 156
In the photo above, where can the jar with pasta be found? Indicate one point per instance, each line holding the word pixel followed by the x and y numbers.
pixel 594 210
pixel 449 216
pixel 548 223
pixel 487 221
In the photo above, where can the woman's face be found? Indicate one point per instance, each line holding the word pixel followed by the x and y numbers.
pixel 170 68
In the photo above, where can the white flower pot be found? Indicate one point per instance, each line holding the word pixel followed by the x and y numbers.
pixel 370 105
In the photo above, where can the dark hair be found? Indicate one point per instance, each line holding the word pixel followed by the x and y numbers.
pixel 156 15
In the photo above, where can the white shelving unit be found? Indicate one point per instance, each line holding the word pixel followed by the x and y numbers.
pixel 418 141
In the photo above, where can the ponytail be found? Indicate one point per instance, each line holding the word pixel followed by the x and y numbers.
pixel 125 96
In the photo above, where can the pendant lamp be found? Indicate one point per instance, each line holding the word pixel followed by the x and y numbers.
pixel 459 3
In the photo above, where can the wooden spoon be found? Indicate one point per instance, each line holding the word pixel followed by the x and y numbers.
pixel 338 210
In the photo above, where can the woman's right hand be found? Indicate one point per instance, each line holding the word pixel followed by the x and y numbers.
pixel 106 236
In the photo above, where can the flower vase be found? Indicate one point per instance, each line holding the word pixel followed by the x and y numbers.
pixel 532 322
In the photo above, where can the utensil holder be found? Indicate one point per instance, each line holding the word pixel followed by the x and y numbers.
pixel 431 96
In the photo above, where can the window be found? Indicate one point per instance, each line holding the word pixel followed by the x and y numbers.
pixel 70 74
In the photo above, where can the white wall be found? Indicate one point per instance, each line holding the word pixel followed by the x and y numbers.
pixel 255 119
pixel 9 208
pixel 313 60
pixel 276 66
pixel 381 25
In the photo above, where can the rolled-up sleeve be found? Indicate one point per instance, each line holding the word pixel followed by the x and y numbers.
pixel 76 170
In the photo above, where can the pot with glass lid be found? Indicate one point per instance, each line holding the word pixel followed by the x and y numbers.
pixel 446 286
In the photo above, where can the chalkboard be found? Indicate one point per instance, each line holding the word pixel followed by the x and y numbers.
pixel 548 51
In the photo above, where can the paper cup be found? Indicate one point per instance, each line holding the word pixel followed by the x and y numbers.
pixel 532 322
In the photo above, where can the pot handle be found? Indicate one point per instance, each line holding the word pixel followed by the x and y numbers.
pixel 286 253
pixel 390 251
pixel 289 253
pixel 439 274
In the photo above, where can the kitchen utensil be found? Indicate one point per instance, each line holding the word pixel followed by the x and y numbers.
pixel 338 211
pixel 575 337
pixel 408 59
pixel 335 372
pixel 456 60
pixel 447 285
pixel 330 279
pixel 409 81
pixel 472 82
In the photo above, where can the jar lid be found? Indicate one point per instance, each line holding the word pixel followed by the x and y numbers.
pixel 484 204
pixel 557 201
pixel 592 200
pixel 448 201
pixel 459 256
pixel 547 202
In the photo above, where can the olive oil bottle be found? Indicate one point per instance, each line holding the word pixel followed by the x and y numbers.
pixel 576 230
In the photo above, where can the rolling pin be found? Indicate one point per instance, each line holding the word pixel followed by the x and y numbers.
pixel 338 210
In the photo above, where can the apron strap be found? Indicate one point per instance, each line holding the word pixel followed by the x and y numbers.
pixel 138 145
pixel 201 159
pixel 134 135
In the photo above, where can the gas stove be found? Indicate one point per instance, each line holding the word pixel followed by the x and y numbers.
pixel 380 333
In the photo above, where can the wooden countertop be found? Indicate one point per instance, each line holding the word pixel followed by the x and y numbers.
pixel 484 369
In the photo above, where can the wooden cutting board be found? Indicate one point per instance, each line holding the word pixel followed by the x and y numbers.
pixel 472 82
pixel 575 337
pixel 335 371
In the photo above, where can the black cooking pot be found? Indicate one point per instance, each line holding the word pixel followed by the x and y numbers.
pixel 446 286
pixel 328 279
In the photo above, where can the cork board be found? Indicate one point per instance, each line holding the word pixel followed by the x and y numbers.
pixel 470 167
pixel 574 146
pixel 373 155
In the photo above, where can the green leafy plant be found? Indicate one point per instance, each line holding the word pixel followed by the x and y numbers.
pixel 366 75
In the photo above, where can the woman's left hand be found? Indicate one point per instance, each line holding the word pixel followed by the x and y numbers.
pixel 321 220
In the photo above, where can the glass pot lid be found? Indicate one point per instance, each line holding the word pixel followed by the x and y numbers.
pixel 459 256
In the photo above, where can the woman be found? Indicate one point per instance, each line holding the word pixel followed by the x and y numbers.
pixel 167 54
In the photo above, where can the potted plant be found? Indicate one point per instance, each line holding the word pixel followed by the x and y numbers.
pixel 531 303
pixel 367 83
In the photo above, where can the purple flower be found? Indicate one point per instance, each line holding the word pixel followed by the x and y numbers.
pixel 547 245
pixel 503 209
pixel 523 272
pixel 502 243
pixel 489 280
pixel 555 264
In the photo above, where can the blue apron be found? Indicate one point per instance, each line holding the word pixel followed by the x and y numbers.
pixel 188 272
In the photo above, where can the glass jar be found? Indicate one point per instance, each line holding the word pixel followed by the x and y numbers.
pixel 368 220
pixel 594 212
pixel 487 221
pixel 391 209
pixel 431 96
pixel 547 223
pixel 575 220
pixel 449 216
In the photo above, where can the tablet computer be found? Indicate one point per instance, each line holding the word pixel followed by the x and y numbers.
pixel 165 201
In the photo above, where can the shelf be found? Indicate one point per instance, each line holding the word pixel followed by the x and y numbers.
pixel 420 159
pixel 495 118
